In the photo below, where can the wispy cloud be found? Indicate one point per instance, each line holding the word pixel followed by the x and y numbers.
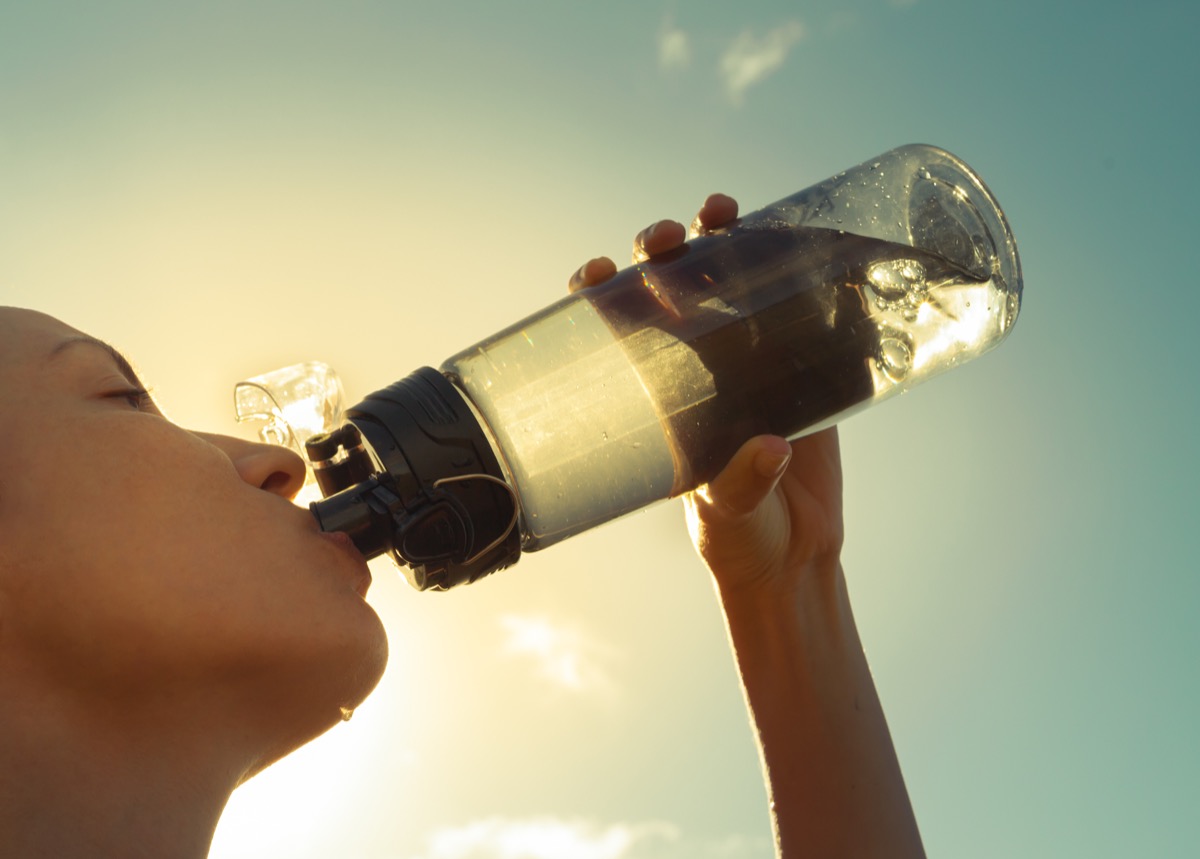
pixel 548 837
pixel 674 48
pixel 750 59
pixel 562 655
pixel 544 838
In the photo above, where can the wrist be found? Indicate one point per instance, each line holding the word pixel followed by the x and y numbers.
pixel 800 586
pixel 797 630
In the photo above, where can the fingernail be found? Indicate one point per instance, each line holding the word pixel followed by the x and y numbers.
pixel 773 457
pixel 644 236
pixel 772 465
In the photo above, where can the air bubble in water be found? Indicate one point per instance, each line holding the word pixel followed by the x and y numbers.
pixel 895 357
pixel 894 279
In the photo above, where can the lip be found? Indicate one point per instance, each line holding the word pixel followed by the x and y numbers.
pixel 343 542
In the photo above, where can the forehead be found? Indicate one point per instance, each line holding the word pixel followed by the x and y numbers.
pixel 31 341
pixel 27 336
pixel 26 340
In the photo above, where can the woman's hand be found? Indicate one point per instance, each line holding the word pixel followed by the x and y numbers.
pixel 773 517
pixel 774 514
pixel 659 238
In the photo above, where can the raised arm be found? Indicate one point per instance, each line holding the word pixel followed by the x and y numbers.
pixel 769 528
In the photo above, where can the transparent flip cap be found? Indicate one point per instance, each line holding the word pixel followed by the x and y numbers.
pixel 293 404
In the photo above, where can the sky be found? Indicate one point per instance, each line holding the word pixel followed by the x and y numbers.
pixel 224 188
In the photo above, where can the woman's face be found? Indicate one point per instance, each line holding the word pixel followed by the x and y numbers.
pixel 134 553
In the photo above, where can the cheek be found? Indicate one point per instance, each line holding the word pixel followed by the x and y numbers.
pixel 105 534
pixel 153 510
pixel 146 555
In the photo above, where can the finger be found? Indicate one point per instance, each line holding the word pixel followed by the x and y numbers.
pixel 750 476
pixel 717 211
pixel 591 273
pixel 658 239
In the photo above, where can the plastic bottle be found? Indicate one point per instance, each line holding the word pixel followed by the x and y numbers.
pixel 784 322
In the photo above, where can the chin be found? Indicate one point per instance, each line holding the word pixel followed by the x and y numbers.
pixel 308 699
pixel 357 671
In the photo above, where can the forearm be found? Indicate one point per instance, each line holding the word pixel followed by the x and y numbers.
pixel 832 775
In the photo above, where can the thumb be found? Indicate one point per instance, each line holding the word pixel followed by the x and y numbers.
pixel 749 477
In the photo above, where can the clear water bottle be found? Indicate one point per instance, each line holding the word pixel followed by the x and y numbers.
pixel 784 322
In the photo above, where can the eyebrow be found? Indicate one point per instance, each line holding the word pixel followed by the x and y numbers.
pixel 120 360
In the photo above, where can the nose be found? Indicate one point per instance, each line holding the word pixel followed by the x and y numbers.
pixel 269 467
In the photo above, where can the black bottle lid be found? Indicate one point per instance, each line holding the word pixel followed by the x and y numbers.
pixel 437 501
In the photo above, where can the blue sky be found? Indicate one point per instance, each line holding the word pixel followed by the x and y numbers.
pixel 224 188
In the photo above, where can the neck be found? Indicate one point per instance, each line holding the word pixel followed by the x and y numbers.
pixel 111 781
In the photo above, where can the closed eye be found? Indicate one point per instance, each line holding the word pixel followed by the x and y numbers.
pixel 138 398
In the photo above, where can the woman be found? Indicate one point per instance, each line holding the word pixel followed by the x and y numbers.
pixel 170 623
